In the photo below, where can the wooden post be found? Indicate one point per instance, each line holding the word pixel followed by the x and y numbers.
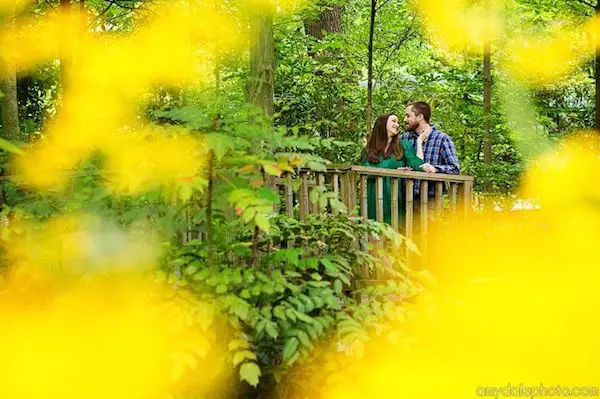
pixel 272 184
pixel 423 215
pixel 439 198
pixel 394 202
pixel 351 191
pixel 379 200
pixel 409 196
pixel 336 184
pixel 465 197
pixel 319 180
pixel 289 196
pixel 303 195
pixel 363 197
pixel 344 188
pixel 453 196
pixel 408 222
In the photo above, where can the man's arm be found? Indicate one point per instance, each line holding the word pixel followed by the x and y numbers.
pixel 449 158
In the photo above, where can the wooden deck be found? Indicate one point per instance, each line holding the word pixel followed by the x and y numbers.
pixel 452 193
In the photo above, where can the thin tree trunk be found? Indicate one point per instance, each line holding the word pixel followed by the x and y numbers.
pixel 8 86
pixel 328 21
pixel 597 79
pixel 261 85
pixel 10 106
pixel 487 103
pixel 82 17
pixel 209 211
pixel 370 67
pixel 65 48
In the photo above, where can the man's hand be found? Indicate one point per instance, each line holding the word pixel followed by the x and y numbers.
pixel 424 135
pixel 429 168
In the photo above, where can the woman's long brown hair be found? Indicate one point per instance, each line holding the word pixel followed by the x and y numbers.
pixel 377 142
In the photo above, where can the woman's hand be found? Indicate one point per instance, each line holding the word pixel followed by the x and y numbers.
pixel 405 168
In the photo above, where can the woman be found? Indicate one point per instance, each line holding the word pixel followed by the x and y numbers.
pixel 384 151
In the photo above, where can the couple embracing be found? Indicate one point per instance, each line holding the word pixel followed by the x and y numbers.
pixel 421 148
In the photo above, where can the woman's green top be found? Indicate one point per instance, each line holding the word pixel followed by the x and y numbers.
pixel 409 159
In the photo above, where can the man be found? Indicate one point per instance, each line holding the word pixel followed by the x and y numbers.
pixel 439 153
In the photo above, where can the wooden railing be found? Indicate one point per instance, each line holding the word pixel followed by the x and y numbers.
pixel 349 183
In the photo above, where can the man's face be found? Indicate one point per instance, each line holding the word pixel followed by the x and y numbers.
pixel 410 119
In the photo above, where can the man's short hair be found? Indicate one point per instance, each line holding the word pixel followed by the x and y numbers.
pixel 421 108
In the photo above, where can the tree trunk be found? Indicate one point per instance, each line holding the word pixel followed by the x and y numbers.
pixel 328 21
pixel 65 9
pixel 487 103
pixel 82 17
pixel 261 85
pixel 10 107
pixel 9 101
pixel 370 67
pixel 597 78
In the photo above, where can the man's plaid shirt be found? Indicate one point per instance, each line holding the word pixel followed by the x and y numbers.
pixel 439 151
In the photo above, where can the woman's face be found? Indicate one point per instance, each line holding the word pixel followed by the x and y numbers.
pixel 392 126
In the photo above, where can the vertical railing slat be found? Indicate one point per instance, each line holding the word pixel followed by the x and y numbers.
pixel 289 195
pixel 363 197
pixel 464 199
pixel 409 212
pixel 351 191
pixel 319 180
pixel 303 195
pixel 379 199
pixel 453 196
pixel 394 202
pixel 424 209
pixel 336 184
pixel 439 198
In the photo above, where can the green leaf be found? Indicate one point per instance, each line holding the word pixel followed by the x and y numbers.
pixel 243 355
pixel 256 290
pixel 279 313
pixel 272 330
pixel 238 194
pixel 267 194
pixel 201 275
pixel 313 196
pixel 249 214
pixel 266 312
pixel 272 169
pixel 338 205
pixel 291 344
pixel 302 336
pixel 262 222
pixel 221 289
pixel 329 266
pixel 10 147
pixel 305 318
pixel 219 143
pixel 290 313
pixel 250 373
pixel 237 344
pixel 337 286
pixel 308 303
pixel 185 192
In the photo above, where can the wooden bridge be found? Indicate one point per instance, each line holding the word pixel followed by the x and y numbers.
pixel 349 185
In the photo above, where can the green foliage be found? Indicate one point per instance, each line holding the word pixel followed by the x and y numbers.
pixel 297 296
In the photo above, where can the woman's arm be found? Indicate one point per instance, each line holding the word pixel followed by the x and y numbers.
pixel 410 157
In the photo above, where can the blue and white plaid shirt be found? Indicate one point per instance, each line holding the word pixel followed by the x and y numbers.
pixel 438 150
